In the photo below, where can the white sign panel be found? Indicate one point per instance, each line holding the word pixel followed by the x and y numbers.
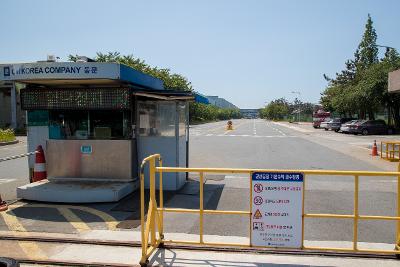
pixel 59 70
pixel 277 204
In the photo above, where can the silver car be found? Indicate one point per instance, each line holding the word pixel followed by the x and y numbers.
pixel 324 124
pixel 345 128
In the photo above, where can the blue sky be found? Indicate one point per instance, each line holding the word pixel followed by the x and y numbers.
pixel 248 52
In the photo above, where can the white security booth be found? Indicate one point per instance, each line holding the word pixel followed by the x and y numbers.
pixel 96 122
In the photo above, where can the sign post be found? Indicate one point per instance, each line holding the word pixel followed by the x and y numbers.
pixel 277 205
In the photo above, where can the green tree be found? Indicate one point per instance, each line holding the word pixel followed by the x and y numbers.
pixel 205 112
pixel 367 49
pixel 276 110
pixel 352 90
pixel 172 81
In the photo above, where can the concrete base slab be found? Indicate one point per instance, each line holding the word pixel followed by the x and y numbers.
pixel 75 192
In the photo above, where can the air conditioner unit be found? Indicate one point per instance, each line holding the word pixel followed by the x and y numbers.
pixel 51 58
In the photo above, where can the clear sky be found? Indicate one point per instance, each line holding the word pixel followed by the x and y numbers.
pixel 248 52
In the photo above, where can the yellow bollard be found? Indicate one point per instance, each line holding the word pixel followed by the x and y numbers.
pixel 229 126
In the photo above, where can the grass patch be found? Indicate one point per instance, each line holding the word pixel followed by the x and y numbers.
pixel 7 135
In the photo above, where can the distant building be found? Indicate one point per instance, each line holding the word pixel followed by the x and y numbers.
pixel 250 113
pixel 220 102
pixel 199 98
pixel 11 115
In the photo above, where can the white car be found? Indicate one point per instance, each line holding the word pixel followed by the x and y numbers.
pixel 324 124
pixel 345 128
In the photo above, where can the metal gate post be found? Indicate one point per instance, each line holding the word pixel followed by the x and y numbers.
pixel 153 199
pixel 356 213
pixel 397 246
pixel 160 188
pixel 144 241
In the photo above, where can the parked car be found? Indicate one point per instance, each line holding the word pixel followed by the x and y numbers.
pixel 324 124
pixel 366 127
pixel 335 124
pixel 345 127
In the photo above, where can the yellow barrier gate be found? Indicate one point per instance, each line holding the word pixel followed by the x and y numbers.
pixel 154 222
pixel 391 151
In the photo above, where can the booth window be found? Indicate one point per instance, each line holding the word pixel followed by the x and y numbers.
pixel 157 118
pixel 182 118
pixel 95 124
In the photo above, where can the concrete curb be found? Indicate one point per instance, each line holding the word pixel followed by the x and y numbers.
pixel 16 141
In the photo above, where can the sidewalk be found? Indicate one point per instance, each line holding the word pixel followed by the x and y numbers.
pixel 130 256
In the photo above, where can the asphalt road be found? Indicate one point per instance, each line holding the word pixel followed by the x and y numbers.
pixel 252 144
pixel 13 173
pixel 261 144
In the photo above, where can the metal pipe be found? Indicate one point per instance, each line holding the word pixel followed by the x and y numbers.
pixel 153 200
pixel 398 207
pixel 18 156
pixel 302 212
pixel 227 212
pixel 142 214
pixel 161 230
pixel 355 221
pixel 248 171
pixel 201 217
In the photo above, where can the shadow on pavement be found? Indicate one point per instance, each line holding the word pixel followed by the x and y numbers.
pixel 126 212
pixel 186 198
pixel 167 257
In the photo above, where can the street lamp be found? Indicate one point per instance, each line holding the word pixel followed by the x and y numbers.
pixel 387 47
pixel 298 113
pixel 384 46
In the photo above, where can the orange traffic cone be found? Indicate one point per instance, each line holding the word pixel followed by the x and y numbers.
pixel 375 149
pixel 39 170
pixel 3 205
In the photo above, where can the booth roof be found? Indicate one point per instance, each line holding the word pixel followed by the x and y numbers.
pixel 77 74
pixel 166 95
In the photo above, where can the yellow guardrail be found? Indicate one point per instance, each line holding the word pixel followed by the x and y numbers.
pixel 155 213
pixel 391 152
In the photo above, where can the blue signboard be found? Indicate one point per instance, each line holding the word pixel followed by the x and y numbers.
pixel 86 149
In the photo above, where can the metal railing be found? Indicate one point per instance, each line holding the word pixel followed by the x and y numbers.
pixel 391 152
pixel 155 213
pixel 18 156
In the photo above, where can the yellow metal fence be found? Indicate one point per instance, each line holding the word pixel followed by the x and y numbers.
pixel 390 150
pixel 152 229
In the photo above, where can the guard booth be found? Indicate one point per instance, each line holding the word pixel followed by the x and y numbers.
pixel 96 122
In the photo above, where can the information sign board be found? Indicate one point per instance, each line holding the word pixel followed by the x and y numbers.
pixel 277 204
pixel 86 149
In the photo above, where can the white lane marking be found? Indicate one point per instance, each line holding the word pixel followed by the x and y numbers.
pixel 254 127
pixel 12 147
pixel 4 181
pixel 282 133
pixel 251 136
pixel 293 127
pixel 275 129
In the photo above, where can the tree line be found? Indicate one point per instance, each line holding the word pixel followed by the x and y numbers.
pixel 361 89
pixel 282 109
pixel 197 112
